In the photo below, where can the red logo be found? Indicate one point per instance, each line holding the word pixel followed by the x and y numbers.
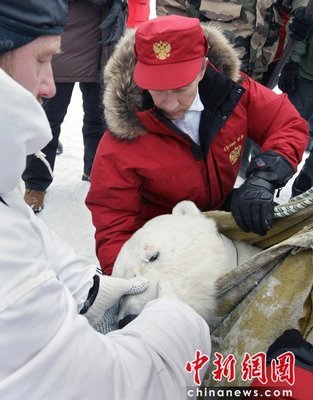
pixel 196 365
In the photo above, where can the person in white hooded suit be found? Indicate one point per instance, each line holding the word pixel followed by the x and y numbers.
pixel 50 298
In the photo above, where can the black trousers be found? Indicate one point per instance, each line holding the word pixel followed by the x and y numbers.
pixel 302 99
pixel 36 175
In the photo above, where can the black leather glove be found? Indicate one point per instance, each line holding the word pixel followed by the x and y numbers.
pixel 252 204
pixel 300 25
pixel 113 26
pixel 288 81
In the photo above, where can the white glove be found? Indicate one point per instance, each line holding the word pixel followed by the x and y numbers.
pixel 103 311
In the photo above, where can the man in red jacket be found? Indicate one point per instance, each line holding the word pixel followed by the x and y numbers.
pixel 178 116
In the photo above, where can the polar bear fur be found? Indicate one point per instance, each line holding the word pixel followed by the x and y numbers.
pixel 184 248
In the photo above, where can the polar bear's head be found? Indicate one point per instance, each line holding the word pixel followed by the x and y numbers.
pixel 183 247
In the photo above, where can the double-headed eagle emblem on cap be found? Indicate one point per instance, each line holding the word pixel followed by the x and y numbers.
pixel 162 50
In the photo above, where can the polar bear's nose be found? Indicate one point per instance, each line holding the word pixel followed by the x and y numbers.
pixel 126 320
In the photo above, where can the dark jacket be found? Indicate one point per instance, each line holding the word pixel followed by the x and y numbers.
pixel 302 54
pixel 145 165
pixel 81 58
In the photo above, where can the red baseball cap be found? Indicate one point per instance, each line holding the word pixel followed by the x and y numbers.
pixel 169 51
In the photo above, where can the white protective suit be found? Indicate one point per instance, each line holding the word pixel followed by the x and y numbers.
pixel 48 350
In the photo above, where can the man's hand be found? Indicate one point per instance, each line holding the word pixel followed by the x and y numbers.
pixel 301 25
pixel 252 205
pixel 102 306
pixel 289 78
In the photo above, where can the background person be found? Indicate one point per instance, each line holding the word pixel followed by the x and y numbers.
pixel 81 60
pixel 256 28
pixel 293 15
pixel 296 80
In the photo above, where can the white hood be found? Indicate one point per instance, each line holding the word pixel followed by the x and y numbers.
pixel 24 129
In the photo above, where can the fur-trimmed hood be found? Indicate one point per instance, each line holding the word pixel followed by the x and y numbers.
pixel 122 96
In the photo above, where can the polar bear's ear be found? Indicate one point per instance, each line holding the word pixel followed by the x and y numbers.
pixel 186 207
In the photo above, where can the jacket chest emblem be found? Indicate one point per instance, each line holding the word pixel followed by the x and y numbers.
pixel 234 149
pixel 235 154
pixel 162 50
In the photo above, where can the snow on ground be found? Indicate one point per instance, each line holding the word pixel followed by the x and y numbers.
pixel 65 210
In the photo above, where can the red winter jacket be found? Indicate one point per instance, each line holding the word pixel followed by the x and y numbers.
pixel 138 11
pixel 143 168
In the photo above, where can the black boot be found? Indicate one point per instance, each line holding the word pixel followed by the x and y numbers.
pixel 59 148
pixel 301 184
pixel 304 180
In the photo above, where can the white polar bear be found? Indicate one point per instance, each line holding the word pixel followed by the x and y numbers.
pixel 184 248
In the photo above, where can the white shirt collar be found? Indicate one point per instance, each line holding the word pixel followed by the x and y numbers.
pixel 196 104
pixel 191 120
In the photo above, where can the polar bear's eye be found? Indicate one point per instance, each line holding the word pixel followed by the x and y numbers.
pixel 152 257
